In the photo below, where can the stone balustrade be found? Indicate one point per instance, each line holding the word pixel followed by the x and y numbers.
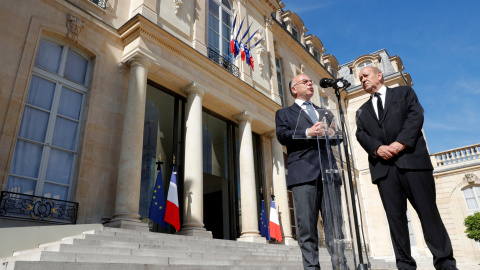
pixel 458 156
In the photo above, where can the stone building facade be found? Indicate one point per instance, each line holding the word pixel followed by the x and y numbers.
pixel 94 93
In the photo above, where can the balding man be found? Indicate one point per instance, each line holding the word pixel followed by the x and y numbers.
pixel 304 173
pixel 389 128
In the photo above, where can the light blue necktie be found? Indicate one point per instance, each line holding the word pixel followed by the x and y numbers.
pixel 311 111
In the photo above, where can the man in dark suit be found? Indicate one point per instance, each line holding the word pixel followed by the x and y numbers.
pixel 304 173
pixel 389 128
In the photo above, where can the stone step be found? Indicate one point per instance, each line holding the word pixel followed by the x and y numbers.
pixel 25 265
pixel 127 249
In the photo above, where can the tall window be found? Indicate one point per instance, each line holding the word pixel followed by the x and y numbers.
pixel 281 91
pixel 219 26
pixel 46 149
pixel 472 198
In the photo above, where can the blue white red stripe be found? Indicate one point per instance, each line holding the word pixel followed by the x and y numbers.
pixel 172 213
pixel 275 230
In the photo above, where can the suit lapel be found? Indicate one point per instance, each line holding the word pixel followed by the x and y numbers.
pixel 388 98
pixel 299 111
pixel 371 110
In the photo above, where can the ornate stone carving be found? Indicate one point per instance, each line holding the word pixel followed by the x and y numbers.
pixel 74 26
pixel 470 178
pixel 260 48
pixel 177 4
pixel 268 21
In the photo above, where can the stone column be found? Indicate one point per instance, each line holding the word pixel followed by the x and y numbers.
pixel 193 182
pixel 280 189
pixel 250 232
pixel 130 164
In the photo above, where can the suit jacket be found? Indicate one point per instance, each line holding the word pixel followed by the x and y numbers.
pixel 303 162
pixel 402 121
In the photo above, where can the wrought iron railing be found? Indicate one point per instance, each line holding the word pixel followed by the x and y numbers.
pixel 225 63
pixel 27 207
pixel 100 3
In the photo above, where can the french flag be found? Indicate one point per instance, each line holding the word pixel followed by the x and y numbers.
pixel 275 231
pixel 172 213
pixel 242 51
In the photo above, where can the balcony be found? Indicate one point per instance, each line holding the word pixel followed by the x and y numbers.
pixel 34 208
pixel 456 158
pixel 223 62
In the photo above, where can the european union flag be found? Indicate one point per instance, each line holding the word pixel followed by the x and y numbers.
pixel 264 231
pixel 157 208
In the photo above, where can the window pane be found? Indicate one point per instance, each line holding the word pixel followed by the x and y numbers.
pixel 76 67
pixel 34 124
pixel 226 32
pixel 21 185
pixel 41 93
pixel 26 159
pixel 65 133
pixel 213 41
pixel 213 23
pixel 226 3
pixel 470 199
pixel 226 18
pixel 59 166
pixel 213 8
pixel 49 55
pixel 70 103
pixel 55 191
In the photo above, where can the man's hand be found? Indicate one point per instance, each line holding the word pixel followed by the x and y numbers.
pixel 397 147
pixel 318 129
pixel 386 152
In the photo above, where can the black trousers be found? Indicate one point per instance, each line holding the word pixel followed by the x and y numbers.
pixel 418 186
pixel 308 203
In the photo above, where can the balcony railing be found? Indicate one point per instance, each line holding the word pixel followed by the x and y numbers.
pixel 100 3
pixel 27 207
pixel 465 155
pixel 225 63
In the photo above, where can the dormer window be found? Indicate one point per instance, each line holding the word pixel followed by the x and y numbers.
pixel 295 32
pixel 315 54
pixel 364 64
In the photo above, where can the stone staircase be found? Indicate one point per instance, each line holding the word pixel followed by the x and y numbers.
pixel 120 249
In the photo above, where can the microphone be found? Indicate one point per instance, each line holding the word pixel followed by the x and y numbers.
pixel 337 84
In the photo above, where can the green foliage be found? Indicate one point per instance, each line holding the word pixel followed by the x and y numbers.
pixel 473 226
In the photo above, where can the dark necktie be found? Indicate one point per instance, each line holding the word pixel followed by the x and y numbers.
pixel 311 111
pixel 379 104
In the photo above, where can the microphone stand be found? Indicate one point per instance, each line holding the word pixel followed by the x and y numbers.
pixel 362 265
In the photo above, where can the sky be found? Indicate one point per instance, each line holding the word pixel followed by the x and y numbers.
pixel 438 42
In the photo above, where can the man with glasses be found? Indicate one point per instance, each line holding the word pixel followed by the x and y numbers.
pixel 304 173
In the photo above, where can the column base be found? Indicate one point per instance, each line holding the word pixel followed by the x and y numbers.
pixel 196 232
pixel 253 239
pixel 290 242
pixel 129 225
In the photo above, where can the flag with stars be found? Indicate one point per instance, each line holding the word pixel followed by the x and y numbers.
pixel 172 214
pixel 264 223
pixel 157 207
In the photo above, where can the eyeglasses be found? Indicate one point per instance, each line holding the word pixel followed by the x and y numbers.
pixel 305 82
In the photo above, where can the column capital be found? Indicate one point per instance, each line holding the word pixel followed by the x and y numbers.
pixel 244 116
pixel 271 134
pixel 139 60
pixel 194 88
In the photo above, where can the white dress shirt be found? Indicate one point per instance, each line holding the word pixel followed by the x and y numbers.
pixel 382 91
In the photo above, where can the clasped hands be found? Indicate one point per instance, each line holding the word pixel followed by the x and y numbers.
pixel 318 129
pixel 388 151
